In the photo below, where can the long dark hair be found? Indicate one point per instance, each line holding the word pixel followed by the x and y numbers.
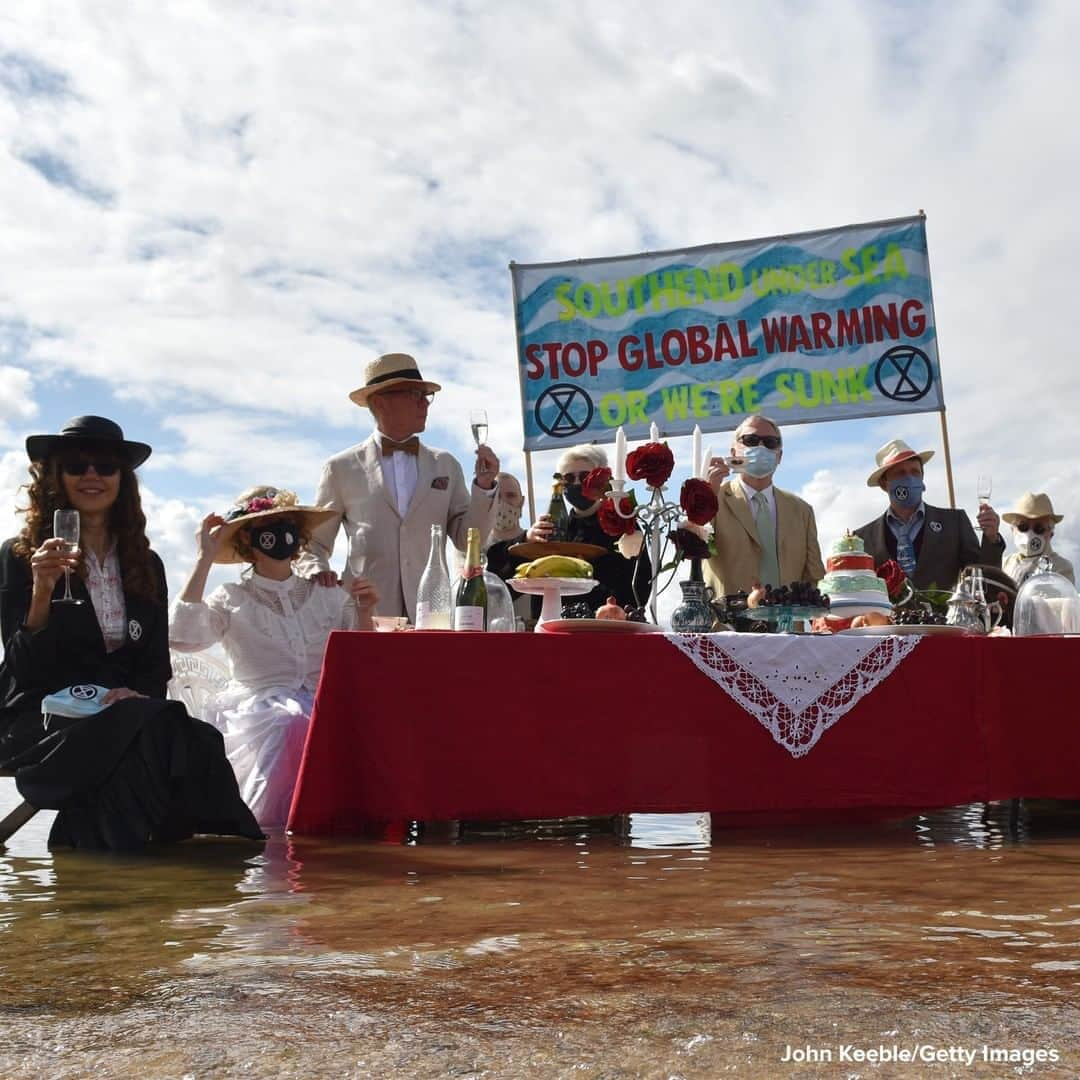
pixel 127 523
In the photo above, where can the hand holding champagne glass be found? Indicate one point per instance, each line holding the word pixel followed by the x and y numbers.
pixel 984 487
pixel 66 528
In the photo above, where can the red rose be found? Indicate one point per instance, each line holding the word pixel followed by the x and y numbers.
pixel 652 463
pixel 596 484
pixel 698 501
pixel 894 577
pixel 615 524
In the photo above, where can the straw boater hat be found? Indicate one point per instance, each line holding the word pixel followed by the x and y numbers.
pixel 262 504
pixel 893 453
pixel 88 433
pixel 1031 506
pixel 393 369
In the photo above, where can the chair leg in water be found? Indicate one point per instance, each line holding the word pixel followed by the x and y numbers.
pixel 16 820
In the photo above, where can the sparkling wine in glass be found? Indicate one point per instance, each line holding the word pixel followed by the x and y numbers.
pixel 984 488
pixel 66 528
pixel 479 424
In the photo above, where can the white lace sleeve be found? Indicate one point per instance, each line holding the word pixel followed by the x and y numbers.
pixel 193 627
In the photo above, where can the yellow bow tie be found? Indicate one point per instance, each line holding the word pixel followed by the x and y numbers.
pixel 409 446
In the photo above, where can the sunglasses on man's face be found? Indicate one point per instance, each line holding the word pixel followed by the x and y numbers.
pixel 416 395
pixel 1037 527
pixel 770 442
pixel 80 468
pixel 574 477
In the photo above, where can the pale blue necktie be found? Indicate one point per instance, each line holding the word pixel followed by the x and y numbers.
pixel 905 549
pixel 770 566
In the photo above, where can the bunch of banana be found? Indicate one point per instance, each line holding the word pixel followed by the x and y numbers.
pixel 555 566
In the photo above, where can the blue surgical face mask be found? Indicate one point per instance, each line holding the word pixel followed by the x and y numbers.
pixel 276 539
pixel 758 461
pixel 907 492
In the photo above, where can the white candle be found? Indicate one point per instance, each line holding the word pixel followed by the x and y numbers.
pixel 705 459
pixel 654 433
pixel 695 453
pixel 620 458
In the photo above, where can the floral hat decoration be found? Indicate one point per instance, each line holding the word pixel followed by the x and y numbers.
pixel 259 504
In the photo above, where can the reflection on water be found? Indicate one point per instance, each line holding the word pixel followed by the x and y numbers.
pixel 640 947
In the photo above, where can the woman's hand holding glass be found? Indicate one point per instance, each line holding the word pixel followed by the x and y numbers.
pixel 48 563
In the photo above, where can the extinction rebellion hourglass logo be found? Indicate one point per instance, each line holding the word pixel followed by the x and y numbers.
pixel 563 410
pixel 904 374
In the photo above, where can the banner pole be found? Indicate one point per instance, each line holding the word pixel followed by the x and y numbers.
pixel 529 482
pixel 948 460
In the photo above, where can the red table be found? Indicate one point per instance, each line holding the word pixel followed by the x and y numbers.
pixel 434 726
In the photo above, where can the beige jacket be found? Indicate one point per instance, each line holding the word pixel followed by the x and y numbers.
pixel 737 566
pixel 391 550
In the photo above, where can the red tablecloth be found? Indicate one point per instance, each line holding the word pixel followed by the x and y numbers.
pixel 433 726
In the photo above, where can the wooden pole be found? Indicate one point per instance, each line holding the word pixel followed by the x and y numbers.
pixel 948 461
pixel 529 483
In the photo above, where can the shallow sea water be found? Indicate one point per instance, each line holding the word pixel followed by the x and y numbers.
pixel 642 948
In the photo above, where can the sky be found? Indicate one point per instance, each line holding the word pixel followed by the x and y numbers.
pixel 214 215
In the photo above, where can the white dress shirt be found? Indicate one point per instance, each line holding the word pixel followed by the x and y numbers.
pixel 399 474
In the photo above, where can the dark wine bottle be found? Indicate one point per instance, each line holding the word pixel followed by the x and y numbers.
pixel 470 597
pixel 557 511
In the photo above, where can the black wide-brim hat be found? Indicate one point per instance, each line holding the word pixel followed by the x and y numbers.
pixel 84 433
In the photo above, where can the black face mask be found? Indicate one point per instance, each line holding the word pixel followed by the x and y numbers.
pixel 575 498
pixel 276 539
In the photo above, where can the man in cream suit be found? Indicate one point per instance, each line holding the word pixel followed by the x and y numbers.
pixel 389 490
pixel 763 535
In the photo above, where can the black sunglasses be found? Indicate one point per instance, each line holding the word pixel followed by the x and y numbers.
pixel 573 477
pixel 1039 529
pixel 79 468
pixel 770 442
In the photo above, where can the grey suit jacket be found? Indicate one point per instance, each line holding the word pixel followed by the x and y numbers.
pixel 948 545
pixel 385 547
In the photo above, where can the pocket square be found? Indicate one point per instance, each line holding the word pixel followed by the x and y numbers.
pixel 441 483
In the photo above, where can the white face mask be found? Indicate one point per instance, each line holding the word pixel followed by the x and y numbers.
pixel 1030 544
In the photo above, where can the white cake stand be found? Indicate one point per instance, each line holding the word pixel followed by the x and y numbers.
pixel 553 589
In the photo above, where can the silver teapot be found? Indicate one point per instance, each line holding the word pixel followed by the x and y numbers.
pixel 968 607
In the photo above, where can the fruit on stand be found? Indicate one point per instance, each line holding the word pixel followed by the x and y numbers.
pixel 555 566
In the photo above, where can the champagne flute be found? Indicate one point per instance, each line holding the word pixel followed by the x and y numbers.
pixel 984 487
pixel 479 423
pixel 66 528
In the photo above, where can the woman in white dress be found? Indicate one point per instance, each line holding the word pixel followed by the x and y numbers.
pixel 273 627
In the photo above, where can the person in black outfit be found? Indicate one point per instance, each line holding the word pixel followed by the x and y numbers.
pixel 628 580
pixel 141 770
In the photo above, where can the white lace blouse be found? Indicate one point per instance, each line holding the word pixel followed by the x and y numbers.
pixel 273 632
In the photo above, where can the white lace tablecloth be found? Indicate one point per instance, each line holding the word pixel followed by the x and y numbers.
pixel 796 686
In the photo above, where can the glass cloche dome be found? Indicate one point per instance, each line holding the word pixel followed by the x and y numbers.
pixel 500 604
pixel 1046 603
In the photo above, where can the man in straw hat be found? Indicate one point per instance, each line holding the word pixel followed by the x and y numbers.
pixel 389 490
pixel 932 544
pixel 1033 520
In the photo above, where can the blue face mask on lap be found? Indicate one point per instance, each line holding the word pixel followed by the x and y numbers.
pixel 758 461
pixel 907 493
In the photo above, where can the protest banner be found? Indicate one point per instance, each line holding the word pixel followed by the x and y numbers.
pixel 826 325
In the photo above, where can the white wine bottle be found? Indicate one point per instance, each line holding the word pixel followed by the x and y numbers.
pixel 433 595
pixel 470 599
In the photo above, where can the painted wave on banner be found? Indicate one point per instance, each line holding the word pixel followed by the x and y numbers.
pixel 839 325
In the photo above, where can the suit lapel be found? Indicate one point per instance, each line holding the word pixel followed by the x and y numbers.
pixel 740 509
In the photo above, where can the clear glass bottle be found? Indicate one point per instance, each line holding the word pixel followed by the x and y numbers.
pixel 470 597
pixel 433 596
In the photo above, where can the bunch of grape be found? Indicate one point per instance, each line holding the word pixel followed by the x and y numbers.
pixel 576 609
pixel 917 617
pixel 797 594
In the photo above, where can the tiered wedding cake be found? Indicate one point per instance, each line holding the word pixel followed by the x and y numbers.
pixel 850 582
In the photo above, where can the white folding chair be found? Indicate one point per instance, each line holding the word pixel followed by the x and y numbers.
pixel 197 678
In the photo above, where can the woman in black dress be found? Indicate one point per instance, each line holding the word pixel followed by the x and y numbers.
pixel 141 769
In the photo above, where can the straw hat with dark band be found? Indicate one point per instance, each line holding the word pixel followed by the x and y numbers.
pixel 83 433
pixel 393 369
pixel 265 503
pixel 893 453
